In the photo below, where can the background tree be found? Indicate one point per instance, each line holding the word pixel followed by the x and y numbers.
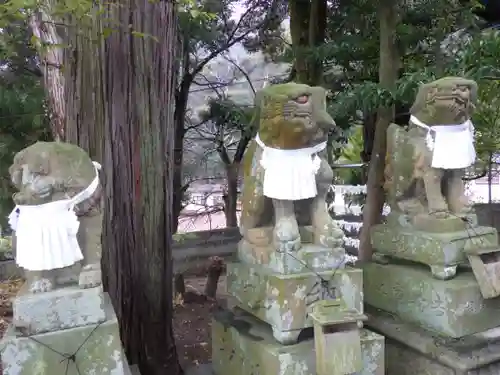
pixel 203 40
pixel 23 115
pixel 230 130
pixel 23 121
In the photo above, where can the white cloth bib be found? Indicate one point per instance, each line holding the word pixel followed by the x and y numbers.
pixel 452 146
pixel 46 235
pixel 290 174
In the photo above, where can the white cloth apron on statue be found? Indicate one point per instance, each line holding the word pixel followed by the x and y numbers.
pixel 452 146
pixel 46 235
pixel 290 174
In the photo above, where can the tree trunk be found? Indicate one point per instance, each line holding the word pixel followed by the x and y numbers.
pixel 299 31
pixel 181 101
pixel 51 55
pixel 214 273
pixel 387 77
pixel 308 30
pixel 179 285
pixel 141 80
pixel 231 198
pixel 84 77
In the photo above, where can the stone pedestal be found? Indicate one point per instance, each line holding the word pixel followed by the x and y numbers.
pixel 68 331
pixel 453 308
pixel 63 308
pixel 441 251
pixel 283 301
pixel 413 351
pixel 243 345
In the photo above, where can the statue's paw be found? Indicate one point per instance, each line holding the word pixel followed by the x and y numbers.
pixel 90 277
pixel 287 236
pixel 439 210
pixel 330 235
pixel 289 246
pixel 41 285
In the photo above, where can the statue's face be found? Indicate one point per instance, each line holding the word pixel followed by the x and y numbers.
pixel 309 108
pixel 449 101
pixel 29 179
pixel 293 115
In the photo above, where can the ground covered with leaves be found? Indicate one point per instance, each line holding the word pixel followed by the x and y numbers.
pixel 193 320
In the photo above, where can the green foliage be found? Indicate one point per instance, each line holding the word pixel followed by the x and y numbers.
pixel 227 116
pixel 22 122
pixel 351 153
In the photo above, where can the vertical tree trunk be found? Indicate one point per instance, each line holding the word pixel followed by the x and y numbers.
pixel 50 51
pixel 231 200
pixel 84 77
pixel 308 30
pixel 178 185
pixel 388 14
pixel 141 79
pixel 299 32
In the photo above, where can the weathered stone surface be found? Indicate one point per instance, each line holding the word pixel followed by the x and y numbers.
pixel 242 345
pixel 47 172
pixel 288 116
pixel 412 184
pixel 452 308
pixel 434 249
pixel 414 351
pixel 97 347
pixel 337 340
pixel 283 301
pixel 310 257
pixel 62 308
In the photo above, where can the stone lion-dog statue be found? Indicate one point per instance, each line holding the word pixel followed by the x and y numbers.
pixel 57 219
pixel 425 163
pixel 286 175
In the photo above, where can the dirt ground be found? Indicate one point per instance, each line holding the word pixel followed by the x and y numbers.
pixel 192 322
pixel 192 318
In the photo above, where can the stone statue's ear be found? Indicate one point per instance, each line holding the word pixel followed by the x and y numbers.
pixel 15 175
pixel 420 99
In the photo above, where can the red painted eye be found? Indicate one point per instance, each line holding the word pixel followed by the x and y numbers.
pixel 302 99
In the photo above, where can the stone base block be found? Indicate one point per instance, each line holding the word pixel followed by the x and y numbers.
pixel 438 250
pixel 256 249
pixel 453 308
pixel 245 346
pixel 414 351
pixel 85 350
pixel 283 301
pixel 63 308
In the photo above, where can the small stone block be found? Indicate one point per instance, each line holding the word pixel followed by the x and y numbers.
pixel 433 249
pixel 337 339
pixel 243 345
pixel 284 301
pixel 96 349
pixel 453 308
pixel 414 351
pixel 62 308
pixel 331 312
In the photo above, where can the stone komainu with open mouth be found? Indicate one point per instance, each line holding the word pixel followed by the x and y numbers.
pixel 425 163
pixel 286 173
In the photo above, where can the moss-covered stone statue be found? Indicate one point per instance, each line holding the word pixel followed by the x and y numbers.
pixel 57 218
pixel 291 257
pixel 426 162
pixel 431 220
pixel 286 174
